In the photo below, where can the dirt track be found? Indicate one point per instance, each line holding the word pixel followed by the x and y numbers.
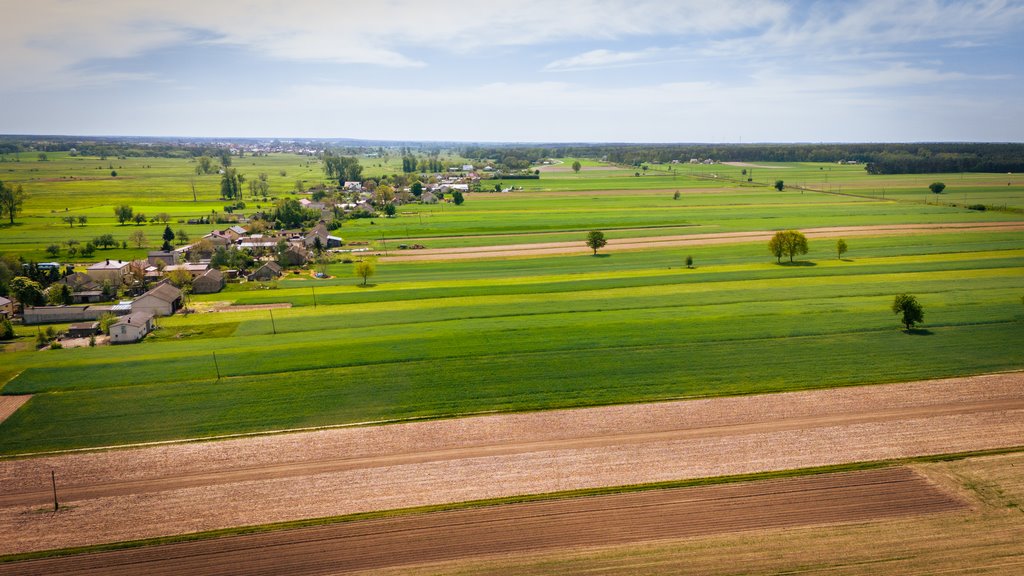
pixel 144 492
pixel 553 248
pixel 10 404
pixel 594 521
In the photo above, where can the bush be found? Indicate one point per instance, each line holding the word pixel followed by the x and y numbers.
pixel 980 207
pixel 6 329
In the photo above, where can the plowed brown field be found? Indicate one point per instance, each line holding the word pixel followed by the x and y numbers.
pixel 173 489
pixel 594 521
pixel 10 404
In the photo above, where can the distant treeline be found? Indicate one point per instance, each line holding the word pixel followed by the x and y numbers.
pixel 878 158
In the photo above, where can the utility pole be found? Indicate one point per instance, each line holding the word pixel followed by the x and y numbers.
pixel 385 243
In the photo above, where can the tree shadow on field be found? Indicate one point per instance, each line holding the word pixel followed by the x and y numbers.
pixel 846 260
pixel 370 285
pixel 797 263
pixel 602 255
pixel 919 332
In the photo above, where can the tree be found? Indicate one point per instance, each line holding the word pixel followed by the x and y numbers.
pixel 105 241
pixel 137 237
pixel 53 250
pixel 779 185
pixel 70 220
pixel 6 329
pixel 936 187
pixel 139 219
pixel 168 238
pixel 676 196
pixel 11 200
pixel 787 242
pixel 123 213
pixel 416 189
pixel 230 184
pixel 390 210
pixel 840 248
pixel 596 240
pixel 458 198
pixel 180 278
pixel 689 261
pixel 182 236
pixel 163 217
pixel 27 292
pixel 910 310
pixel 59 295
pixel 364 269
pixel 82 220
pixel 318 246
pixel 576 166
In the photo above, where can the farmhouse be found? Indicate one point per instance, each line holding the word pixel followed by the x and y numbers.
pixel 83 329
pixel 6 307
pixel 208 282
pixel 118 272
pixel 293 256
pixel 268 271
pixel 131 328
pixel 235 232
pixel 193 269
pixel 169 258
pixel 162 300
pixel 217 239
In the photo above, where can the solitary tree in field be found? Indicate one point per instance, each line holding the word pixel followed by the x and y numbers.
pixel 82 220
pixel 138 238
pixel 596 240
pixel 123 213
pixel 779 185
pixel 576 166
pixel 840 248
pixel 168 238
pixel 364 270
pixel 788 243
pixel 11 200
pixel 689 261
pixel 910 310
pixel 458 198
pixel 936 187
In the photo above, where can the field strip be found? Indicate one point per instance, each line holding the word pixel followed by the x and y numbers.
pixel 10 404
pixel 174 489
pixel 515 528
pixel 552 248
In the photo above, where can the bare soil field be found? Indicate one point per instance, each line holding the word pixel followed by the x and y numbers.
pixel 593 521
pixel 10 404
pixel 171 489
pixel 549 248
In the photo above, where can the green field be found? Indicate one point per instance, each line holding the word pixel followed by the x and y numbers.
pixel 437 339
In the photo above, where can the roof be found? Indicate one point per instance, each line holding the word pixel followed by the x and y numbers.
pixel 273 266
pixel 164 291
pixel 4 301
pixel 238 229
pixel 84 326
pixel 212 274
pixel 134 319
pixel 109 265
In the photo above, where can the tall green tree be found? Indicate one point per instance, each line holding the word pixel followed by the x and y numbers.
pixel 909 309
pixel 123 213
pixel 936 187
pixel 230 184
pixel 27 292
pixel 364 269
pixel 596 240
pixel 841 248
pixel 787 243
pixel 576 166
pixel 12 199
pixel 168 238
pixel 779 185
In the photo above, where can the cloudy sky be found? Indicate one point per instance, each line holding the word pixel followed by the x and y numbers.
pixel 530 70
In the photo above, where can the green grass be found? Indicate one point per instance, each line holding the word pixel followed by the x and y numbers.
pixel 436 339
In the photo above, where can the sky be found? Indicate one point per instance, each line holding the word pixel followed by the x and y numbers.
pixel 517 71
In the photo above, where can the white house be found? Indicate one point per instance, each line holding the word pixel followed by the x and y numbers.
pixel 131 328
pixel 162 300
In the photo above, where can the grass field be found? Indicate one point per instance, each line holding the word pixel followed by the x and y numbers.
pixel 445 338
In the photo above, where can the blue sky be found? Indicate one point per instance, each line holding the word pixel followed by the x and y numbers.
pixel 552 71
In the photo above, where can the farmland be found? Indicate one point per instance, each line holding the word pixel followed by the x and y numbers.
pixel 442 338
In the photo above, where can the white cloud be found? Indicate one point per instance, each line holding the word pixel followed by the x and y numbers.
pixel 602 59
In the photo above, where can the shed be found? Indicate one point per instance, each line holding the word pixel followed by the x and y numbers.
pixel 268 271
pixel 83 329
pixel 161 300
pixel 208 282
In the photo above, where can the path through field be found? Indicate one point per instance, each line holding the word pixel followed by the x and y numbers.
pixel 579 247
pixel 172 489
pixel 595 521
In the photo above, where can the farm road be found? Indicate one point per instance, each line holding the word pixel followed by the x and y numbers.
pixel 171 489
pixel 554 248
pixel 594 521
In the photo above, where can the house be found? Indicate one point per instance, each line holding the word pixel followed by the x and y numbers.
pixel 83 329
pixel 79 282
pixel 118 272
pixel 194 269
pixel 87 297
pixel 268 271
pixel 326 240
pixel 235 232
pixel 218 239
pixel 353 185
pixel 293 256
pixel 169 258
pixel 161 300
pixel 467 167
pixel 131 328
pixel 208 282
pixel 6 307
